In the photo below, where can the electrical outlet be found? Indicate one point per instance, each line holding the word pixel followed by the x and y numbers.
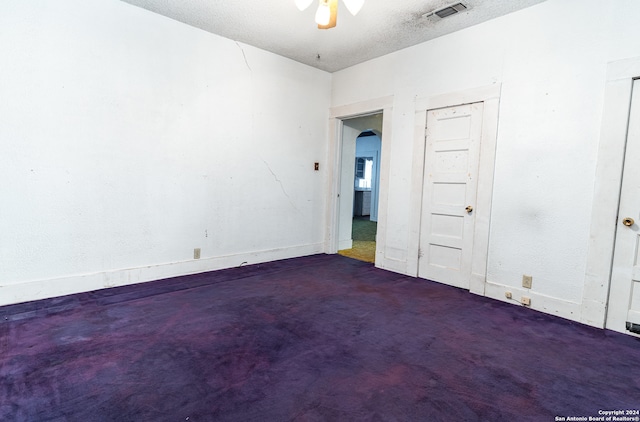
pixel 526 301
pixel 508 295
pixel 196 253
pixel 527 280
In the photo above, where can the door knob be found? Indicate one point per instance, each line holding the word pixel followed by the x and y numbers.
pixel 628 221
pixel 469 208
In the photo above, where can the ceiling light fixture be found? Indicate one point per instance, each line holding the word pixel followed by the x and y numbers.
pixel 323 14
pixel 327 12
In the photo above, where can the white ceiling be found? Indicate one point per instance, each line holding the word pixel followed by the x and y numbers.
pixel 381 27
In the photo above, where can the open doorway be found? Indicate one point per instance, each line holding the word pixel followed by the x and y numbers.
pixel 346 123
pixel 360 186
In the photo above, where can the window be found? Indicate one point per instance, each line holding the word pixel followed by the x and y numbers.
pixel 364 172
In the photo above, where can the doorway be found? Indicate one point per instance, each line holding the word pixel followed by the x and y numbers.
pixel 624 296
pixel 452 185
pixel 346 123
pixel 366 180
pixel 609 293
pixel 452 156
pixel 360 170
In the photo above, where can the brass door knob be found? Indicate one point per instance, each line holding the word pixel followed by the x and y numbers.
pixel 628 221
pixel 469 208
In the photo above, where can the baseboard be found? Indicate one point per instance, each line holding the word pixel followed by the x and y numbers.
pixel 54 287
pixel 393 265
pixel 539 302
pixel 345 244
pixel 594 312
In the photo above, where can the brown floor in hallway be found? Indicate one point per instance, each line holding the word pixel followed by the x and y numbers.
pixel 363 233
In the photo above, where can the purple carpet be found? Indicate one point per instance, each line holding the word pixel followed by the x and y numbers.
pixel 321 338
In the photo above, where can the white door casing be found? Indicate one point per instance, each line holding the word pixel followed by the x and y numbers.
pixel 452 152
pixel 606 196
pixel 624 295
pixel 489 96
pixel 382 105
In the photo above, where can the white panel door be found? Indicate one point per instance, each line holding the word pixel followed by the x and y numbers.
pixel 624 297
pixel 452 156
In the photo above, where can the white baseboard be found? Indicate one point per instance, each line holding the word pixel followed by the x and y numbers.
pixel 594 312
pixel 393 265
pixel 539 302
pixel 54 287
pixel 345 244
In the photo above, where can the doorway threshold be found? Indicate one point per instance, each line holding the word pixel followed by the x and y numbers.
pixel 364 240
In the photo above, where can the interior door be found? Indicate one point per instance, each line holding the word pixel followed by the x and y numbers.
pixel 624 298
pixel 452 157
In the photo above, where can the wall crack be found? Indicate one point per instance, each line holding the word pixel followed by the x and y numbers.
pixel 275 177
pixel 244 55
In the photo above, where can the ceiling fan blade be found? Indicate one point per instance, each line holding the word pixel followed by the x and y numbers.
pixel 354 6
pixel 303 4
pixel 333 6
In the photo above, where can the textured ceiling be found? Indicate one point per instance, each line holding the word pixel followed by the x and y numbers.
pixel 381 27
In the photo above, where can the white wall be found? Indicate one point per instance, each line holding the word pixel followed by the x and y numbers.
pixel 129 139
pixel 551 62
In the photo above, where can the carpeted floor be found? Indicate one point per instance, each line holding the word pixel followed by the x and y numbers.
pixel 320 338
pixel 363 233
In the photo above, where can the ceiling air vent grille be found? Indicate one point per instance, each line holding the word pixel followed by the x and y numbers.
pixel 450 10
pixel 446 11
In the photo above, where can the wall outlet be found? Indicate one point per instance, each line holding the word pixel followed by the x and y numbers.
pixel 508 295
pixel 196 253
pixel 526 301
pixel 526 281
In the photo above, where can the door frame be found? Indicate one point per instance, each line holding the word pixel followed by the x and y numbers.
pixel 490 96
pixel 606 196
pixel 337 114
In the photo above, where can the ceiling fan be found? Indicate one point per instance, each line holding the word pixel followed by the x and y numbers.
pixel 327 13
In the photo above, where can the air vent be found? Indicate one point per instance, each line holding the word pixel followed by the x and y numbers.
pixel 446 11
